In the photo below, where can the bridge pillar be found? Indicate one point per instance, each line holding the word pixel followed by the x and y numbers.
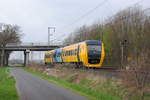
pixel 2 57
pixel 26 57
pixel 6 57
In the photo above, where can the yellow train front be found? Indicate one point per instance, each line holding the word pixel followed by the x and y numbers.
pixel 49 57
pixel 89 53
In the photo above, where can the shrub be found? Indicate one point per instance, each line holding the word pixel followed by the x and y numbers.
pixel 137 78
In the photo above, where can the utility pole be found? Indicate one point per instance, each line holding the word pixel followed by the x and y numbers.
pixel 123 44
pixel 102 36
pixel 101 33
pixel 49 28
pixel 31 56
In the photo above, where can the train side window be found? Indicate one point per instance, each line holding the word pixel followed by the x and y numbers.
pixel 70 52
pixel 66 53
pixel 75 51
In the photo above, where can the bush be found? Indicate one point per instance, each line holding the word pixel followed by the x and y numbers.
pixel 137 78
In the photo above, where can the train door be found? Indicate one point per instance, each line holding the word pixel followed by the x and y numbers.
pixel 78 53
pixel 62 56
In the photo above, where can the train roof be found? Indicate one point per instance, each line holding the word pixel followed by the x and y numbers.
pixel 89 42
pixel 93 42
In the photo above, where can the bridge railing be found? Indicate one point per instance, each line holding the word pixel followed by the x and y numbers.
pixel 34 44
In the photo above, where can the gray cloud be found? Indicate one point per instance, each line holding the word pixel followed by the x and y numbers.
pixel 34 16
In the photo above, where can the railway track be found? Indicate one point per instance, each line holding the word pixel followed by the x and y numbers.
pixel 117 73
pixel 105 71
pixel 108 72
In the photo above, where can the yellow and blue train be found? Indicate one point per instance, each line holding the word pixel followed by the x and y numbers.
pixel 89 53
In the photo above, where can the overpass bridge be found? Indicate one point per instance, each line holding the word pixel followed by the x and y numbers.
pixel 26 47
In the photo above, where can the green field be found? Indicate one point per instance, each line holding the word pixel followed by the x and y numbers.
pixel 7 86
pixel 91 94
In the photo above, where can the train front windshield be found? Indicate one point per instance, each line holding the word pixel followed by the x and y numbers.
pixel 94 54
pixel 94 48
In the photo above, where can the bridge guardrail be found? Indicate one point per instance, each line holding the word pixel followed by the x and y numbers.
pixel 33 44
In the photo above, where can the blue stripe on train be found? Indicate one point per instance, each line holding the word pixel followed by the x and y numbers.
pixel 57 55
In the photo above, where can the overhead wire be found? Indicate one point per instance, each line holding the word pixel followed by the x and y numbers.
pixel 84 15
pixel 90 11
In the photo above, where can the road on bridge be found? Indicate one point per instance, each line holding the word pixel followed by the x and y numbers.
pixel 31 87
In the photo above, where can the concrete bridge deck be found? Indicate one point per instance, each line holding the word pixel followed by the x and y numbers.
pixel 26 47
pixel 31 47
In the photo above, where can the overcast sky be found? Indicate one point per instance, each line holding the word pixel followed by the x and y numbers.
pixel 35 16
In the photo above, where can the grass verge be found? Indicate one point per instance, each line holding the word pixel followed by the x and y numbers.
pixel 7 85
pixel 91 94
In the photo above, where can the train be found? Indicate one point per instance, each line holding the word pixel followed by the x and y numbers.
pixel 89 53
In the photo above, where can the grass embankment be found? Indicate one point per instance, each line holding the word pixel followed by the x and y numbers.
pixel 79 88
pixel 7 86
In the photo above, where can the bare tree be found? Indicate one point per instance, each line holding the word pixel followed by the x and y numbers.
pixel 8 34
